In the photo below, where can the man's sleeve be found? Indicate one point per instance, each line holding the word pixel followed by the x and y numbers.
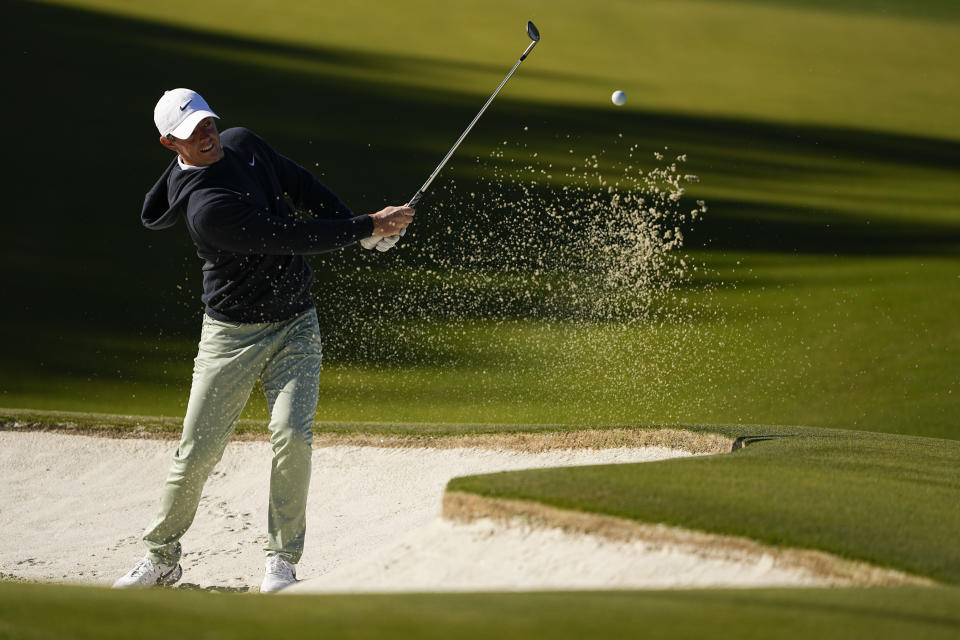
pixel 227 221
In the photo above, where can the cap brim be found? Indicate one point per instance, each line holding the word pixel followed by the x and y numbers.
pixel 185 129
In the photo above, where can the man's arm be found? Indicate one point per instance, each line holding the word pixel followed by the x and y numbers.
pixel 226 221
pixel 309 194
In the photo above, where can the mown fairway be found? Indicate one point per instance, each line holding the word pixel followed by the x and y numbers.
pixel 821 135
pixel 31 611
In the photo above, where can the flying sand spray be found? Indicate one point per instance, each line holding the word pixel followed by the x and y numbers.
pixel 592 290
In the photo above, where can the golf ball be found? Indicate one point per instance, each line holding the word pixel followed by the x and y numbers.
pixel 619 98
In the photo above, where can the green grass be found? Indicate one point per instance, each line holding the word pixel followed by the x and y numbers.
pixel 852 63
pixel 884 499
pixel 29 612
pixel 833 219
pixel 866 343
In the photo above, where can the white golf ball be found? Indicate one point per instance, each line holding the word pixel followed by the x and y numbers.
pixel 619 98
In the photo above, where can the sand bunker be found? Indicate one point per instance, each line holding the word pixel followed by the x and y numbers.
pixel 73 508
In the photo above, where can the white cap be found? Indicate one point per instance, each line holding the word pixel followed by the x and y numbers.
pixel 179 111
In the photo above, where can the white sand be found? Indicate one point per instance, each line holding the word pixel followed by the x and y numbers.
pixel 73 507
pixel 489 556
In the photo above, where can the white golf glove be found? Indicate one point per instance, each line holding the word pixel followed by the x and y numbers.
pixel 382 243
pixel 387 243
pixel 370 243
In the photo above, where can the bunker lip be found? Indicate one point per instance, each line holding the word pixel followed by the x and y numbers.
pixel 819 565
pixel 538 438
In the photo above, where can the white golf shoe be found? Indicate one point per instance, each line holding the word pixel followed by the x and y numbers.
pixel 147 574
pixel 279 574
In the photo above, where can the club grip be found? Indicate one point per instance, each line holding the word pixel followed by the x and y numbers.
pixel 415 199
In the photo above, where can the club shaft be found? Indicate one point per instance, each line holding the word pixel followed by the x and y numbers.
pixel 423 189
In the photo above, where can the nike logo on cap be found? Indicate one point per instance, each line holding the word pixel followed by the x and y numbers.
pixel 184 105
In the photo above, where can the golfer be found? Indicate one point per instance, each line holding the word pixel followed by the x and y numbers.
pixel 237 197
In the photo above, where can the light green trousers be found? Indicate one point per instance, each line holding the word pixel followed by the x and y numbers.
pixel 285 357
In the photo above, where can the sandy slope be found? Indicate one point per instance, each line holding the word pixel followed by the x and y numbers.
pixel 73 507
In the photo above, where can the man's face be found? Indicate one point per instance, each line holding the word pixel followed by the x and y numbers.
pixel 202 148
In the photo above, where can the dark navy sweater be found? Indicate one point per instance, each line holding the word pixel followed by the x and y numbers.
pixel 252 245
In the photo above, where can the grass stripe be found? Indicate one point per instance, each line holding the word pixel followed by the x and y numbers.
pixel 29 612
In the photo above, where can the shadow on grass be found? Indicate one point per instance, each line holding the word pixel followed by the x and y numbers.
pixel 78 252
pixel 792 229
pixel 745 441
pixel 934 10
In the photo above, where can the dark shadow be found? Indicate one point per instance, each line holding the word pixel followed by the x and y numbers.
pixel 86 152
pixel 744 441
pixel 933 10
pixel 749 226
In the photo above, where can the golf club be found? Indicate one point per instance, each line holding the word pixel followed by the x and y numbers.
pixel 534 35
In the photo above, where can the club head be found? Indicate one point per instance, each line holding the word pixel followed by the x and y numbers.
pixel 533 32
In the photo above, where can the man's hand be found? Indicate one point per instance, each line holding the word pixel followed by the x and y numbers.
pixel 391 221
pixel 385 244
pixel 381 244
